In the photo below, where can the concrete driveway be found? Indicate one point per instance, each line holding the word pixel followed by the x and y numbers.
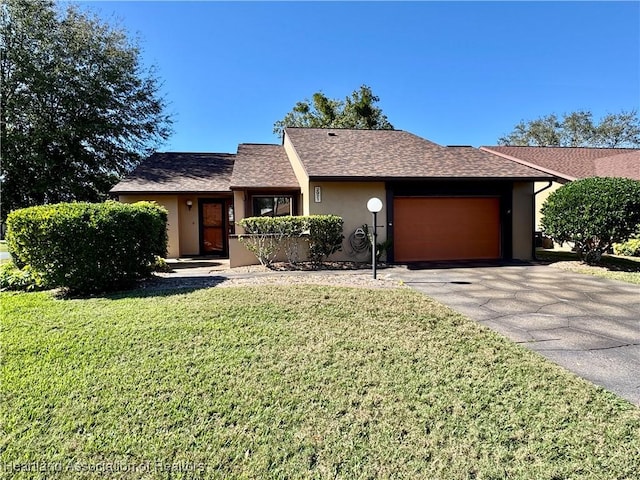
pixel 589 325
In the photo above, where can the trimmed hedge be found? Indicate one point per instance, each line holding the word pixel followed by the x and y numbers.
pixel 88 247
pixel 265 236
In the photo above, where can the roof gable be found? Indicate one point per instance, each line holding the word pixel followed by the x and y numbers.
pixel 262 166
pixel 395 154
pixel 179 172
pixel 572 163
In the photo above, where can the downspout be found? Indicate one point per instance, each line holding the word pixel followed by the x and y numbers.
pixel 543 189
pixel 534 213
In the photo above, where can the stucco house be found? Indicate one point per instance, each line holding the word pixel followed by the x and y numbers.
pixel 440 203
pixel 567 164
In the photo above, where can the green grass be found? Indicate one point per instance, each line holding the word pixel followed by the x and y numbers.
pixel 292 382
pixel 625 269
pixel 3 246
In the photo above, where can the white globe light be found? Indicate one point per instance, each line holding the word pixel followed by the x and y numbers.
pixel 374 205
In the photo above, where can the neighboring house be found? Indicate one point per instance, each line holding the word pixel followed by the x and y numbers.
pixel 440 203
pixel 571 163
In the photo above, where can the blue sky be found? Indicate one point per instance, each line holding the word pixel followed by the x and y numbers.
pixel 456 73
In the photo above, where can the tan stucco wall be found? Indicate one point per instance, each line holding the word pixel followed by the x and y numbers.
pixel 523 220
pixel 239 256
pixel 542 197
pixel 170 202
pixel 300 173
pixel 189 226
pixel 239 209
pixel 349 201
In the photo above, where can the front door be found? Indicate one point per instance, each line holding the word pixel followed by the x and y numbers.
pixel 213 228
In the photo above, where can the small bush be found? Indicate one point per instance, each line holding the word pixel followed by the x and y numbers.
pixel 88 247
pixel 161 265
pixel 25 278
pixel 325 236
pixel 593 213
pixel 630 248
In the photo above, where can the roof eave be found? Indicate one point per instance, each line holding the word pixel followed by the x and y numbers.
pixel 168 192
pixel 321 178
pixel 268 187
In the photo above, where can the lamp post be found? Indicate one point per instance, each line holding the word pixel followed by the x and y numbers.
pixel 374 205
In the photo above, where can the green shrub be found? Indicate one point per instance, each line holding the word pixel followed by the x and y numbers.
pixel 88 247
pixel 161 265
pixel 593 213
pixel 25 278
pixel 630 248
pixel 325 236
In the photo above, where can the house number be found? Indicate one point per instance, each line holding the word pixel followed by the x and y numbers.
pixel 317 191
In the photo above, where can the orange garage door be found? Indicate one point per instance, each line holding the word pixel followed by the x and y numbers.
pixel 446 228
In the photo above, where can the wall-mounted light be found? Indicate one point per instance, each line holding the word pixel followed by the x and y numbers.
pixel 189 204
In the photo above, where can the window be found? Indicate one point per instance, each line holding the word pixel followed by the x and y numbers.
pixel 272 206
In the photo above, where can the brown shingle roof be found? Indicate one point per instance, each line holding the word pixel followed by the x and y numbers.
pixel 621 165
pixel 338 153
pixel 573 163
pixel 180 172
pixel 262 166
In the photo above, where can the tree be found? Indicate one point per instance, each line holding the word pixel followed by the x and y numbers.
pixel 357 111
pixel 78 109
pixel 577 129
pixel 593 214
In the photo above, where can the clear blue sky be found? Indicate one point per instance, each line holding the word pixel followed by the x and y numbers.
pixel 460 73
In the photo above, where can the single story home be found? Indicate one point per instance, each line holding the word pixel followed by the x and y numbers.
pixel 567 164
pixel 440 203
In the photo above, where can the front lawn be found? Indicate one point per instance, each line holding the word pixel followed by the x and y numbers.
pixel 291 382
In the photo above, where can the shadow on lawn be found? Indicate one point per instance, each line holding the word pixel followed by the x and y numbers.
pixel 163 287
pixel 151 287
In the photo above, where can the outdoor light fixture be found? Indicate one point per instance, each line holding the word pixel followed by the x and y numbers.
pixel 189 204
pixel 374 205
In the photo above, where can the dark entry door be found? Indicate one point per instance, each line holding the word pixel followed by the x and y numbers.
pixel 213 229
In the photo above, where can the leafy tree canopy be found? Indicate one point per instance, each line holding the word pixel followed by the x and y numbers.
pixel 577 129
pixel 78 109
pixel 593 214
pixel 359 110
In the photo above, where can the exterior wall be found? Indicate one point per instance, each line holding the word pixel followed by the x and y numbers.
pixel 170 202
pixel 523 220
pixel 541 198
pixel 239 208
pixel 349 200
pixel 300 174
pixel 239 256
pixel 189 226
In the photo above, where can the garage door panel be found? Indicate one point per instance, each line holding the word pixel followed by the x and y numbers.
pixel 446 228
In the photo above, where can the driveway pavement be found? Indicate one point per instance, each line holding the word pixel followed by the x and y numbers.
pixel 589 325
